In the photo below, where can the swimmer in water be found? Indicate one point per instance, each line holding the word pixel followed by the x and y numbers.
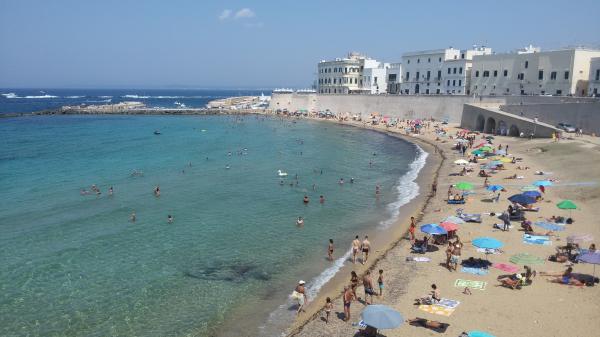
pixel 322 199
pixel 341 182
pixel 300 221
pixel 110 190
pixel 227 167
pixel 281 182
pixel 306 199
pixel 157 191
pixel 377 190
pixel 351 180
pixel 132 217
pixel 170 218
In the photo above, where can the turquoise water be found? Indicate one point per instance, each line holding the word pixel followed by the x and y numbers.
pixel 73 265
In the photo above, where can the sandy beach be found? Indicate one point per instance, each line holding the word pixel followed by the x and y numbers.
pixel 543 308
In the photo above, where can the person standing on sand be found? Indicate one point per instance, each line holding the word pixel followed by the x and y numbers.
pixel 353 283
pixel 368 286
pixel 365 247
pixel 434 189
pixel 328 308
pixel 330 250
pixel 355 247
pixel 449 255
pixel 380 282
pixel 456 253
pixel 348 297
pixel 412 228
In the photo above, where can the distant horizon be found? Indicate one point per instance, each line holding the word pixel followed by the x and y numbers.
pixel 268 44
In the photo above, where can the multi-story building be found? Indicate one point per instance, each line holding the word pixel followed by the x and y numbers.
pixel 439 71
pixel 354 74
pixel 394 78
pixel 594 81
pixel 533 72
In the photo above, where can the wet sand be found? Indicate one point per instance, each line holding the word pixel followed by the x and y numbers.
pixel 541 309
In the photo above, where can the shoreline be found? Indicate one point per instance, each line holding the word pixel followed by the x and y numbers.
pixel 398 230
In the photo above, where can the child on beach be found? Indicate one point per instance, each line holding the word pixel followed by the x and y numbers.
pixel 380 282
pixel 328 308
pixel 330 250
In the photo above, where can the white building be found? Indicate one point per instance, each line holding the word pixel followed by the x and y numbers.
pixel 594 81
pixel 394 78
pixel 354 74
pixel 532 72
pixel 438 71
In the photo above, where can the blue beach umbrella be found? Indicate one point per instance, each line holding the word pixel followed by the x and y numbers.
pixel 490 166
pixel 542 183
pixel 522 199
pixel 477 333
pixel 550 226
pixel 381 317
pixel 487 243
pixel 501 152
pixel 533 194
pixel 590 257
pixel 495 188
pixel 434 229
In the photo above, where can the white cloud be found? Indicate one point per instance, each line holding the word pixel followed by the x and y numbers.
pixel 244 13
pixel 225 14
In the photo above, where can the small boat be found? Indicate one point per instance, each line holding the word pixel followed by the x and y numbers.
pixel 282 174
pixel 156 132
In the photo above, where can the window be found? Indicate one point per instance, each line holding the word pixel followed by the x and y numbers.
pixel 334 80
pixel 521 76
pixel 418 60
pixel 449 70
pixel 476 74
pixel 486 73
pixel 429 60
pixel 407 75
pixel 346 70
pixel 454 70
pixel 566 75
pixel 460 70
pixel 505 72
pixel 540 74
pixel 437 91
pixel 459 83
pixel 553 75
pixel 417 77
pixel 597 74
pixel 453 83
pixel 448 84
pixel 335 70
pixel 440 74
pixel 428 74
pixel 440 59
pixel 408 61
pixel 495 73
pixel 526 64
pixel 392 77
pixel 462 56
pixel 559 92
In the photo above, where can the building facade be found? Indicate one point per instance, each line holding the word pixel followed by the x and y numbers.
pixel 594 80
pixel 356 74
pixel 394 78
pixel 533 72
pixel 438 71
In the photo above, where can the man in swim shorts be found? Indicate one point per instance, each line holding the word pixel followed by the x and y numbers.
pixel 368 286
pixel 365 246
pixel 355 247
pixel 348 297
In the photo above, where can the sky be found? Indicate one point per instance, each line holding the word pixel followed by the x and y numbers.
pixel 257 44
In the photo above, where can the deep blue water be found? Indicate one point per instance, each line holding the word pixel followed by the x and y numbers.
pixel 29 100
pixel 73 265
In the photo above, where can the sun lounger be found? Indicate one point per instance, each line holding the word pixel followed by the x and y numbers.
pixel 456 202
pixel 533 209
pixel 468 217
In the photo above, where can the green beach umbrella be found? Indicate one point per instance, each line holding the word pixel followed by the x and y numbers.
pixel 464 186
pixel 478 152
pixel 566 204
pixel 486 148
pixel 526 259
pixel 529 188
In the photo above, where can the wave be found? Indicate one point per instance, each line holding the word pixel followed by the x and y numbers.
pixel 135 96
pixel 102 101
pixel 74 96
pixel 10 95
pixel 105 97
pixel 407 188
pixel 40 97
pixel 166 97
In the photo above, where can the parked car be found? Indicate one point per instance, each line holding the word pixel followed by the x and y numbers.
pixel 566 127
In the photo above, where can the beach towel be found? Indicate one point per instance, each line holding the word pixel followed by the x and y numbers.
pixel 489 251
pixel 479 285
pixel 536 240
pixel 474 271
pixel 448 303
pixel 418 258
pixel 436 309
pixel 509 268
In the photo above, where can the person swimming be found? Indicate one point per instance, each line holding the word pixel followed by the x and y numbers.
pixel 322 199
pixel 306 199
pixel 300 221
pixel 169 218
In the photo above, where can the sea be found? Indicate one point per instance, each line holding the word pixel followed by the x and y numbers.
pixel 74 264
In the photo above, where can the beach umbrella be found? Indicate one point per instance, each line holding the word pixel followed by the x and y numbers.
pixel 505 160
pixel 461 162
pixel 480 145
pixel 486 148
pixel 489 137
pixel 550 226
pixel 381 317
pixel 500 152
pixel 434 229
pixel 526 259
pixel 464 186
pixel 522 199
pixel 477 333
pixel 579 238
pixel 495 188
pixel 487 243
pixel 478 152
pixel 529 188
pixel 454 219
pixel 449 226
pixel 566 204
pixel 590 257
pixel 533 194
pixel 542 183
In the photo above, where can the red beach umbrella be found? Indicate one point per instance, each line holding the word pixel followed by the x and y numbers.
pixel 449 226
